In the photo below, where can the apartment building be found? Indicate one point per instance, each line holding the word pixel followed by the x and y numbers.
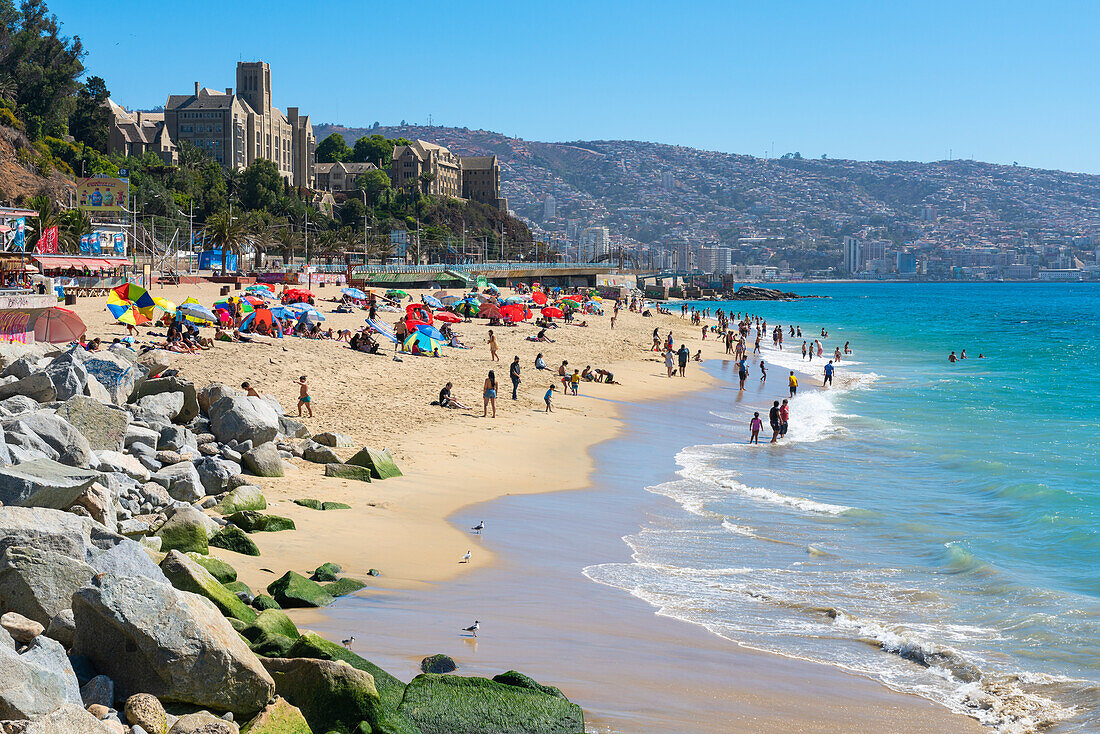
pixel 410 162
pixel 234 128
pixel 138 133
pixel 481 180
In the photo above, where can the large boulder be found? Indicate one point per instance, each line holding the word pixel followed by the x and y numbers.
pixel 44 483
pixel 278 717
pixel 45 529
pixel 335 440
pixel 187 575
pixel 36 681
pixel 214 392
pixel 177 438
pixel 120 556
pixel 162 407
pixel 69 377
pixel 215 473
pixel 182 481
pixel 37 386
pixel 247 497
pixel 203 722
pixel 69 718
pixel 219 569
pixel 295 590
pixel 146 711
pixel 292 428
pixel 441 704
pixel 264 460
pixel 271 622
pixel 256 522
pixel 380 463
pixel 120 463
pixel 331 695
pixel 232 538
pixel 142 435
pixel 242 419
pixel 176 384
pixel 348 471
pixel 344 586
pixel 100 504
pixel 115 373
pixel 103 425
pixel 152 638
pixel 186 530
pixel 312 645
pixel 39 583
pixel 438 664
pixel 319 454
pixel 66 444
pixel 17 404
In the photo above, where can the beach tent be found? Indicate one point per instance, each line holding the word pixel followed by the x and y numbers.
pixel 382 329
pixel 260 318
pixel 424 343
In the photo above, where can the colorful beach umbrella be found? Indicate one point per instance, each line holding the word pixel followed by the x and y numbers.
pixel 422 341
pixel 446 317
pixel 396 293
pixel 488 311
pixel 539 297
pixel 135 294
pixel 132 316
pixel 354 293
pixel 515 312
pixel 433 302
pixel 553 312
pixel 196 311
pixel 58 326
pixel 165 305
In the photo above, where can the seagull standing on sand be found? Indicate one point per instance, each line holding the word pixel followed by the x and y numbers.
pixel 473 628
pixel 347 643
pixel 479 527
pixel 466 558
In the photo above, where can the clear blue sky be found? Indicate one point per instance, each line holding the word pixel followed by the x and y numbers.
pixel 997 81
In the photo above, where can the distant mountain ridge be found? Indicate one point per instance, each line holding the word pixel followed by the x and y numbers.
pixel 654 193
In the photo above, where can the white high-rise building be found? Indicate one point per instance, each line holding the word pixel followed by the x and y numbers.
pixel 853 254
pixel 549 208
pixel 667 181
pixel 595 243
pixel 717 260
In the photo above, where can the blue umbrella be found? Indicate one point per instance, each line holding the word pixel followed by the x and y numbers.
pixel 311 316
pixel 196 310
pixel 282 312
pixel 354 293
pixel 515 299
pixel 431 301
pixel 431 332
pixel 299 307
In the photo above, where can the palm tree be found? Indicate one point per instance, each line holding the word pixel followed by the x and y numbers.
pixel 287 239
pixel 227 233
pixel 74 224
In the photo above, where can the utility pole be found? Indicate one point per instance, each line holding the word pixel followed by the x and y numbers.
pixel 309 278
pixel 365 228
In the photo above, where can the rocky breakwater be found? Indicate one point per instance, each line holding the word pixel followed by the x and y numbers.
pixel 757 293
pixel 117 476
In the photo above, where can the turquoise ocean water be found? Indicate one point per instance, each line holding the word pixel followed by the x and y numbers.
pixel 933 525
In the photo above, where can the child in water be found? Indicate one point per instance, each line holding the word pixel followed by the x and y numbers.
pixel 754 428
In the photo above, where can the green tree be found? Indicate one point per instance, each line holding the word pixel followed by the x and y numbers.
pixel 375 183
pixel 352 212
pixel 48 216
pixel 374 149
pixel 262 186
pixel 228 234
pixel 333 149
pixel 90 119
pixel 75 223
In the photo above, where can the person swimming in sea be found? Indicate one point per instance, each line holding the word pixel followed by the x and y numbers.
pixel 952 358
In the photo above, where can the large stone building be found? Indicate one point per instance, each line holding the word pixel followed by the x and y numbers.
pixel 340 176
pixel 236 129
pixel 137 133
pixel 459 177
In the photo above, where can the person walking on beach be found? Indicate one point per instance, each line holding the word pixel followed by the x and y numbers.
pixel 792 383
pixel 684 354
pixel 763 373
pixel 563 375
pixel 546 398
pixel 489 395
pixel 784 417
pixel 742 373
pixel 304 400
pixel 828 374
pixel 670 362
pixel 575 382
pixel 754 428
pixel 513 372
pixel 774 420
pixel 493 347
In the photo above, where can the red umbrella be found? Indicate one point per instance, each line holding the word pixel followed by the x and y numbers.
pixel 447 316
pixel 488 311
pixel 515 312
pixel 553 312
pixel 253 300
pixel 58 325
pixel 539 297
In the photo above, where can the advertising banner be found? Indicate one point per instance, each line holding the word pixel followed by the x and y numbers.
pixel 85 244
pixel 20 227
pixel 101 194
pixel 120 243
pixel 47 243
pixel 97 240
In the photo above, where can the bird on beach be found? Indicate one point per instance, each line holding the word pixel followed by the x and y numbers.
pixel 466 558
pixel 347 643
pixel 479 527
pixel 473 628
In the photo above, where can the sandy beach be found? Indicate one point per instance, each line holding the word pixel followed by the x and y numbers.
pixel 454 459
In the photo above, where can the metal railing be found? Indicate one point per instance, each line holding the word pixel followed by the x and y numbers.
pixel 472 268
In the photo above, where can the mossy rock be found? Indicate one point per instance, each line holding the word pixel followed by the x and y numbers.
pixel 256 522
pixel 246 497
pixel 295 590
pixel 234 539
pixel 310 503
pixel 278 717
pixel 184 534
pixel 438 664
pixel 348 471
pixel 271 621
pixel 332 696
pixel 238 624
pixel 452 703
pixel 326 572
pixel 515 678
pixel 344 586
pixel 238 586
pixel 335 506
pixel 185 574
pixel 218 568
pixel 380 463
pixel 312 645
pixel 271 645
pixel 263 601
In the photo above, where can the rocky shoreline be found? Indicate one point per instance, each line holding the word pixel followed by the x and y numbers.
pixel 117 475
pixel 757 293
